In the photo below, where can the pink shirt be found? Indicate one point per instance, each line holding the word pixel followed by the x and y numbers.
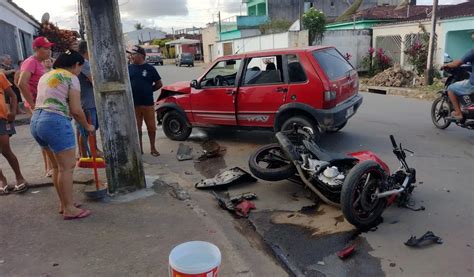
pixel 37 69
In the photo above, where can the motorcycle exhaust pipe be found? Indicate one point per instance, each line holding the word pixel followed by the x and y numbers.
pixel 394 191
pixel 314 189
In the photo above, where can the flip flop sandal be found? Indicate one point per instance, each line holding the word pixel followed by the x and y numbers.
pixel 76 205
pixel 155 154
pixel 20 188
pixel 4 190
pixel 82 214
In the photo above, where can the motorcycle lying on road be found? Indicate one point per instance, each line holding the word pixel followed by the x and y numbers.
pixel 442 107
pixel 359 183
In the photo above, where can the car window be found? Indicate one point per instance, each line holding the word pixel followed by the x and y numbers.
pixel 295 70
pixel 264 70
pixel 223 74
pixel 332 62
pixel 186 56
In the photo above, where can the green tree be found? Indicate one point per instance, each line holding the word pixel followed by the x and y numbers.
pixel 138 26
pixel 315 22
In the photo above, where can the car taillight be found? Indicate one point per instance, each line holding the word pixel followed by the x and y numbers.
pixel 329 99
pixel 329 96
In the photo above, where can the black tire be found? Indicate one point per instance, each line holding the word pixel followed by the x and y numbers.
pixel 176 126
pixel 302 121
pixel 440 109
pixel 336 129
pixel 280 168
pixel 366 213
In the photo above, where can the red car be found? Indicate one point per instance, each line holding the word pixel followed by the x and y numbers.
pixel 313 86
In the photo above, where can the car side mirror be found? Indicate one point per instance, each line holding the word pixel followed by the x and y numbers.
pixel 195 84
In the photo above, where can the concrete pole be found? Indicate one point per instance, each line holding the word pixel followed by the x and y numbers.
pixel 429 65
pixel 113 95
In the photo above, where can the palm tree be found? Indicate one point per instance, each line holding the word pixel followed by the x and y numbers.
pixel 138 26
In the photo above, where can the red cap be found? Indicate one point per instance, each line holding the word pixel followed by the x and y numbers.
pixel 42 42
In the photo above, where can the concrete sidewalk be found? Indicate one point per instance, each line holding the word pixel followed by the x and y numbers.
pixel 128 236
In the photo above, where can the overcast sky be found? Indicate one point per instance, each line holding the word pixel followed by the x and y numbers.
pixel 164 14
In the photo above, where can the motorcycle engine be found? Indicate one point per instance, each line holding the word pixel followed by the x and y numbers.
pixel 331 176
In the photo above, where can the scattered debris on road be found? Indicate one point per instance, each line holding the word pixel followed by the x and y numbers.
pixel 239 204
pixel 211 149
pixel 226 178
pixel 243 208
pixel 184 153
pixel 346 252
pixel 428 238
pixel 178 192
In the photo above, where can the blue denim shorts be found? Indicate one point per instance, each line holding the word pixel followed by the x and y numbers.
pixel 461 88
pixel 52 131
pixel 91 114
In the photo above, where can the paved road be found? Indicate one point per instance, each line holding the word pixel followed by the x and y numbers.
pixel 444 160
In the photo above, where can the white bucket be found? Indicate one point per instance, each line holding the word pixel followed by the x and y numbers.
pixel 194 259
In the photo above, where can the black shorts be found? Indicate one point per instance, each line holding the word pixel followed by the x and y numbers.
pixel 6 128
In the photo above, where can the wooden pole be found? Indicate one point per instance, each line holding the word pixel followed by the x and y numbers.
pixel 429 65
pixel 113 95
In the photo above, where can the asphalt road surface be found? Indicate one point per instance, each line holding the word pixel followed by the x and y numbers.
pixel 305 240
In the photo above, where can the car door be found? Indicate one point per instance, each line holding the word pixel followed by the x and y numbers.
pixel 213 101
pixel 262 91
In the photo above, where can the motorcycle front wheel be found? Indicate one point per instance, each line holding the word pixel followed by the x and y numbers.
pixel 440 110
pixel 359 203
pixel 269 163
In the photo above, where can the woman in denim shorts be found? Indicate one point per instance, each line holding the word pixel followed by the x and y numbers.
pixel 59 101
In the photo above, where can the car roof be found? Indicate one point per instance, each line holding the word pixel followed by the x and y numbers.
pixel 276 51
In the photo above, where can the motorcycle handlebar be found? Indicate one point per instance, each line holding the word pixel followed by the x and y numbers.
pixel 394 144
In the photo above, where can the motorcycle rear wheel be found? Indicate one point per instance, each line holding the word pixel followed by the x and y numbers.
pixel 439 111
pixel 358 202
pixel 269 163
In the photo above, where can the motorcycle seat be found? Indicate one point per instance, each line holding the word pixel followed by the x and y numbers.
pixel 324 155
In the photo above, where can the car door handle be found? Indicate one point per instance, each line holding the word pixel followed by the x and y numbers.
pixel 230 92
pixel 280 89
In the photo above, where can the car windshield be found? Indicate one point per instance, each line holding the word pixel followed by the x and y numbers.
pixel 186 55
pixel 332 62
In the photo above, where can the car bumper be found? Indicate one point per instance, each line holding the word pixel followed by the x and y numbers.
pixel 337 116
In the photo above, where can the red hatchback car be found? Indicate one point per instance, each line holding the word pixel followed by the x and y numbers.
pixel 313 86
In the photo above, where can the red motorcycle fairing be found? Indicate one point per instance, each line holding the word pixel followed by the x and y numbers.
pixel 370 156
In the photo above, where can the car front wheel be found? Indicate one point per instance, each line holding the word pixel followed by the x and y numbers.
pixel 176 126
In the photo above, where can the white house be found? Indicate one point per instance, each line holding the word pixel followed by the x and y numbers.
pixel 17 29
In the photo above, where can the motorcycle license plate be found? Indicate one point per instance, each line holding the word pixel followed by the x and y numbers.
pixel 349 112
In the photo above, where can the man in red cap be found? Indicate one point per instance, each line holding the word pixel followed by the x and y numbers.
pixel 30 72
pixel 32 69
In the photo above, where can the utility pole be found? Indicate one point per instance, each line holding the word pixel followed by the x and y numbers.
pixel 113 95
pixel 429 65
pixel 220 25
pixel 80 19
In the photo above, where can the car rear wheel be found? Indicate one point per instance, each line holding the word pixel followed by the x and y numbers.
pixel 300 121
pixel 176 126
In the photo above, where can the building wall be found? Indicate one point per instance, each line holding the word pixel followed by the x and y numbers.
pixel 209 38
pixel 456 36
pixel 353 42
pixel 13 18
pixel 289 10
pixel 444 29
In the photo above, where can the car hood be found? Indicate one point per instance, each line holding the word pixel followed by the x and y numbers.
pixel 183 87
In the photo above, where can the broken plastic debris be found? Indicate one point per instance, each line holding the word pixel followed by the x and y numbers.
pixel 428 238
pixel 346 252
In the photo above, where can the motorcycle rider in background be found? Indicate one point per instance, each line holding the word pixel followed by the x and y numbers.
pixel 461 88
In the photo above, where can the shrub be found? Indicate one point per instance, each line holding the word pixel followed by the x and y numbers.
pixel 376 61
